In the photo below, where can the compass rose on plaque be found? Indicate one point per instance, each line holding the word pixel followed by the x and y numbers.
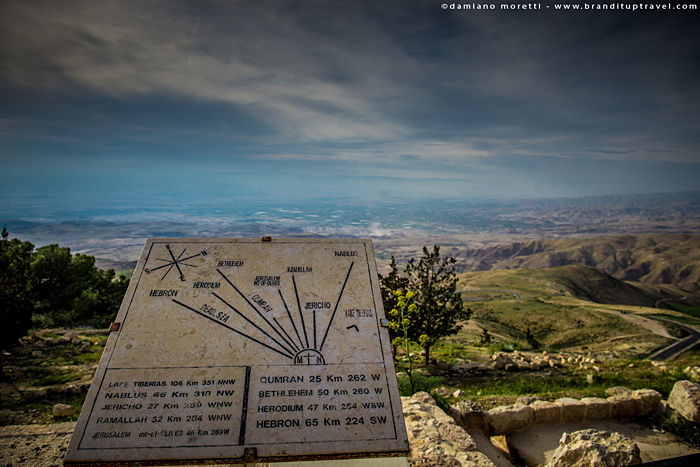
pixel 174 262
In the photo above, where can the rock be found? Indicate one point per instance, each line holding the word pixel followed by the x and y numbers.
pixel 648 401
pixel 36 354
pixel 505 420
pixel 693 373
pixel 591 448
pixel 527 400
pixel 618 391
pixel 64 340
pixel 468 415
pixel 499 364
pixel 522 365
pixel 624 406
pixel 572 410
pixel 41 394
pixel 86 347
pixel 50 341
pixel 435 438
pixel 546 413
pixel 72 335
pixel 43 333
pixel 442 391
pixel 685 399
pixel 72 389
pixel 596 408
pixel 443 365
pixel 63 410
pixel 458 393
pixel 75 341
pixel 431 369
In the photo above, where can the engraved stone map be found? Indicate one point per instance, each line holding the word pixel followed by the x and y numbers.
pixel 228 348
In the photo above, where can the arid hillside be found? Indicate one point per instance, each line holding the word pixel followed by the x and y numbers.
pixel 654 258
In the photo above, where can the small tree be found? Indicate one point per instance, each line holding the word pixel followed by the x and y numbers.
pixel 485 336
pixel 440 308
pixel 70 290
pixel 401 321
pixel 16 305
pixel 530 339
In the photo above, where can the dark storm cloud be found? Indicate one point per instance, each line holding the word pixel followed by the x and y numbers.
pixel 402 86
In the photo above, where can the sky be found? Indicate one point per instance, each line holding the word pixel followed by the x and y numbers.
pixel 137 102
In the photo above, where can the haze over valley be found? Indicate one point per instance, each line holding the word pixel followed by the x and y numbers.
pixel 478 233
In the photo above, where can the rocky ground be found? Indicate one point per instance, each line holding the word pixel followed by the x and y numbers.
pixel 34 438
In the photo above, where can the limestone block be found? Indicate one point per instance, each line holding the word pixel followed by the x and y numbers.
pixel 509 419
pixel 618 391
pixel 64 340
pixel 522 365
pixel 596 408
pixel 591 448
pixel 50 341
pixel 546 413
pixel 468 415
pixel 685 399
pixel 435 438
pixel 648 400
pixel 63 410
pixel 572 410
pixel 623 406
pixel 72 335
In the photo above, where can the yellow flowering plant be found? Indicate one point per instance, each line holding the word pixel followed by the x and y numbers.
pixel 400 322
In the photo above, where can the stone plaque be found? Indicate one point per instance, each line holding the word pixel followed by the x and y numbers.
pixel 230 350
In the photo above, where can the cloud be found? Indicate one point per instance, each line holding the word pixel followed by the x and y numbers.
pixel 402 87
pixel 310 82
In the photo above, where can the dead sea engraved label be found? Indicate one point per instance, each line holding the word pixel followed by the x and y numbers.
pixel 303 350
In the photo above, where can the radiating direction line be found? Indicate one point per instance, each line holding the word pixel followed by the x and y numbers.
pixel 314 314
pixel 252 306
pixel 290 341
pixel 290 317
pixel 251 323
pixel 303 325
pixel 234 330
pixel 336 307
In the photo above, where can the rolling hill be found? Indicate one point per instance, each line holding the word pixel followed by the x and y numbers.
pixel 654 258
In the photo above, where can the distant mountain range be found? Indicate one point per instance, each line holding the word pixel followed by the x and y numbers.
pixel 653 258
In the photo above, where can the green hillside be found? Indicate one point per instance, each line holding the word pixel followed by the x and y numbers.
pixel 573 308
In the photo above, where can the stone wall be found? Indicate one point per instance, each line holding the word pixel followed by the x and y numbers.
pixel 620 403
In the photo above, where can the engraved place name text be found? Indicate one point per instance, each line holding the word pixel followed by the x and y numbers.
pixel 230 263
